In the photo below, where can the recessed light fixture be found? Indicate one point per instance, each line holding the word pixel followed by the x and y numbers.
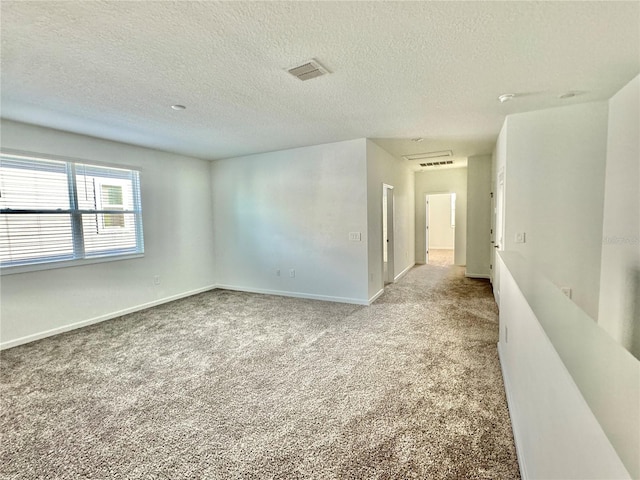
pixel 178 107
pixel 417 140
pixel 505 97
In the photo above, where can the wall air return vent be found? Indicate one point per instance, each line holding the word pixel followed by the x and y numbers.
pixel 437 164
pixel 308 70
pixel 428 155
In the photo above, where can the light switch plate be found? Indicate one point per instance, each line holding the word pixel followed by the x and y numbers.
pixel 355 236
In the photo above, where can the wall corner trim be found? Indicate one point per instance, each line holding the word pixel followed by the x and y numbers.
pixel 477 275
pixel 404 272
pixel 375 297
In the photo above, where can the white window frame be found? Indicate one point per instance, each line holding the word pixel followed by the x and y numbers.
pixel 119 175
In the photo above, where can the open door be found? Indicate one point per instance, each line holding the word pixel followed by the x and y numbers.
pixel 497 241
pixel 426 231
pixel 387 234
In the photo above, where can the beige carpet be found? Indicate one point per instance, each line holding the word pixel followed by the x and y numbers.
pixel 229 385
pixel 441 257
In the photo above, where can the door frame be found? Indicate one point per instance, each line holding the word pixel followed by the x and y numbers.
pixel 426 221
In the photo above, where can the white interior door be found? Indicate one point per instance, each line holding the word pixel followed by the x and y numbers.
pixel 387 234
pixel 426 230
pixel 500 213
pixel 498 233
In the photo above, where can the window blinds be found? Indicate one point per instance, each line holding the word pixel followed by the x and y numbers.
pixel 52 210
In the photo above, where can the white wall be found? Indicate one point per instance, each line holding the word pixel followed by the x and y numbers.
pixel 384 168
pixel 619 312
pixel 293 209
pixel 555 177
pixel 452 180
pixel 556 432
pixel 554 194
pixel 479 216
pixel 441 233
pixel 178 228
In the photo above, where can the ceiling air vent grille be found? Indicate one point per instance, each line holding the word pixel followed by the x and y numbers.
pixel 308 70
pixel 436 164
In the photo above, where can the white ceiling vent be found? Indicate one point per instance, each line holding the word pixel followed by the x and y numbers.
pixel 428 155
pixel 308 70
pixel 436 164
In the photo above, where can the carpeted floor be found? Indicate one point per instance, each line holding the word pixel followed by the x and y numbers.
pixel 440 257
pixel 242 386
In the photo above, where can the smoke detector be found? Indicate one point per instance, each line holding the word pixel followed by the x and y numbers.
pixel 308 70
pixel 428 155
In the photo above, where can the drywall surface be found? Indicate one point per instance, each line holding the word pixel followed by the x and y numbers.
pixel 293 210
pixel 441 232
pixel 384 168
pixel 479 216
pixel 555 161
pixel 574 399
pixel 452 180
pixel 178 229
pixel 619 312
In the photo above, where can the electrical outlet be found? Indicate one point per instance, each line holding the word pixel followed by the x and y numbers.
pixel 156 280
pixel 566 291
pixel 292 273
pixel 521 237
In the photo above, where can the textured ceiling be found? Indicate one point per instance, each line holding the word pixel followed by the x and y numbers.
pixel 400 69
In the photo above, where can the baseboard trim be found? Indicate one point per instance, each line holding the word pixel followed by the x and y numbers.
pixel 375 297
pixel 513 414
pixel 284 293
pixel 404 272
pixel 477 275
pixel 101 318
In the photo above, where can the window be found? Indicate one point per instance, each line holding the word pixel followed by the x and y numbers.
pixel 56 210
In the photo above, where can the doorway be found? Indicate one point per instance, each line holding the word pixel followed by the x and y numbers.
pixel 440 229
pixel 387 234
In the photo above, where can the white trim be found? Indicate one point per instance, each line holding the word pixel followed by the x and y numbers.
pixel 375 297
pixel 78 262
pixel 284 293
pixel 101 318
pixel 403 273
pixel 477 275
pixel 513 413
